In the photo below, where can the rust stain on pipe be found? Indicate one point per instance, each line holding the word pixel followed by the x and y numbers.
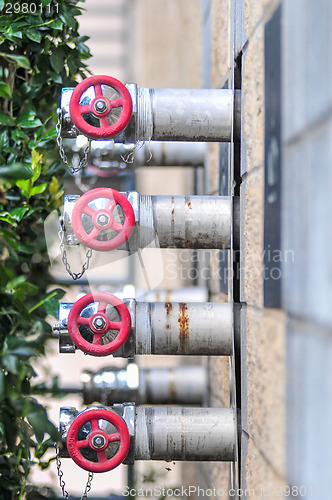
pixel 168 307
pixel 183 321
pixel 188 203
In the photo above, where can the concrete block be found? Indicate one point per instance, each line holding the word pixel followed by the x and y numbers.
pixel 309 407
pixel 252 138
pixel 220 42
pixel 168 41
pixel 219 381
pixel 266 396
pixel 257 13
pixel 307 50
pixel 306 223
pixel 251 238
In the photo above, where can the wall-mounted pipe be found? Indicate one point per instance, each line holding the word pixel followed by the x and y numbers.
pixel 168 385
pixel 101 324
pixel 104 219
pixel 143 114
pixel 185 385
pixel 108 156
pixel 99 439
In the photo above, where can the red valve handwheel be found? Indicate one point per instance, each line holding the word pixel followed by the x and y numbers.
pixel 99 323
pixel 103 219
pixel 100 107
pixel 98 440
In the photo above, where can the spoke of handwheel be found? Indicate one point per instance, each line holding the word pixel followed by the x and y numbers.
pixel 85 108
pixel 95 232
pixel 113 437
pixel 98 90
pixel 111 205
pixel 83 444
pixel 116 226
pixel 102 306
pixel 117 103
pixel 102 458
pixel 94 424
pixel 104 121
pixel 97 338
pixel 83 321
pixel 114 325
pixel 89 211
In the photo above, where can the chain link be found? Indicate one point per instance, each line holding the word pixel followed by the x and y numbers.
pixel 83 161
pixel 63 484
pixel 88 255
pixel 87 486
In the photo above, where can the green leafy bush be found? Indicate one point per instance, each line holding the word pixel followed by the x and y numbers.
pixel 40 52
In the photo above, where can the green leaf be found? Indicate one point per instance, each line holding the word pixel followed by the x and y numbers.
pixel 37 418
pixel 15 171
pixel 83 49
pixel 10 363
pixel 39 78
pixel 27 288
pixel 69 20
pixel 24 187
pixel 5 90
pixel 56 25
pixel 50 302
pixel 13 283
pixel 18 134
pixel 3 276
pixel 21 61
pixel 2 385
pixel 34 35
pixel 10 429
pixel 30 123
pixel 38 189
pixel 56 77
pixel 57 58
pixel 27 118
pixel 6 119
pixel 5 217
pixel 18 213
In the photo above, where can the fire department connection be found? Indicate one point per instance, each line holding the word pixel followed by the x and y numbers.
pixel 101 107
pixel 101 324
pixel 99 438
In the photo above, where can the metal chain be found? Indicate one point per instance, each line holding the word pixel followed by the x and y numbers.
pixel 87 486
pixel 60 475
pixel 63 484
pixel 62 153
pixel 75 276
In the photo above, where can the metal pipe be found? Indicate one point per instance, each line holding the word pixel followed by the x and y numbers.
pixel 184 328
pixel 171 328
pixel 203 222
pixel 186 221
pixel 173 433
pixel 108 154
pixel 190 293
pixel 170 154
pixel 173 385
pixel 185 114
pixel 158 432
pixel 199 115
